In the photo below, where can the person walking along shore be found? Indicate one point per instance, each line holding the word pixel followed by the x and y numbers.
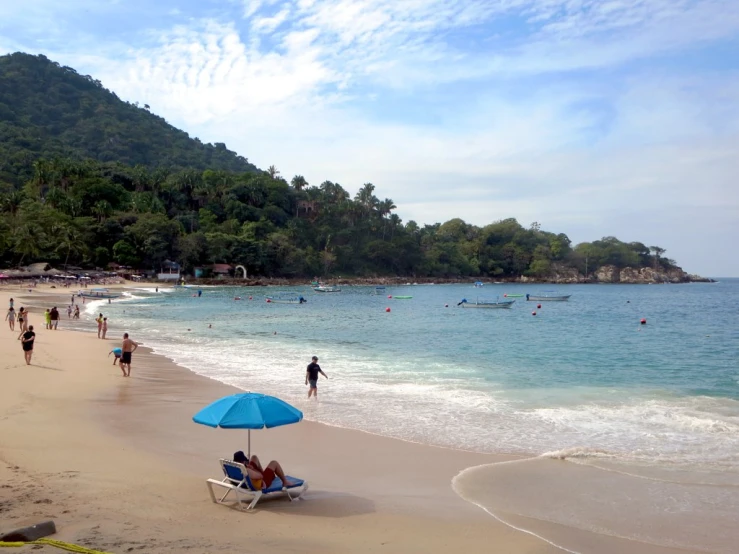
pixel 128 347
pixel 27 338
pixel 311 376
pixel 10 318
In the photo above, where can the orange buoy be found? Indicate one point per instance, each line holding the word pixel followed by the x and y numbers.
pixel 387 309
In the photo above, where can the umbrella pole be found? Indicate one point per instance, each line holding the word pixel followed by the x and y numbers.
pixel 249 444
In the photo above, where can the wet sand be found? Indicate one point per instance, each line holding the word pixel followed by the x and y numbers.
pixel 119 465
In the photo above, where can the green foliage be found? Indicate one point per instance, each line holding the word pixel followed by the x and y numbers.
pixel 86 179
pixel 50 111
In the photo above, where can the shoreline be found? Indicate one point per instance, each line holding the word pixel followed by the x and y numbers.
pixel 111 484
pixel 164 394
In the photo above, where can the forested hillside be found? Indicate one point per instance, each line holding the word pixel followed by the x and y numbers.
pixel 47 110
pixel 88 179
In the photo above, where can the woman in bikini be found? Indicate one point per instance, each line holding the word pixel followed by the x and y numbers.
pixel 261 478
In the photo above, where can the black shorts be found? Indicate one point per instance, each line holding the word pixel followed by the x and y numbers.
pixel 28 346
pixel 126 358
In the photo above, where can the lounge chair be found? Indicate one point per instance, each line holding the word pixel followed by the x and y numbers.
pixel 237 480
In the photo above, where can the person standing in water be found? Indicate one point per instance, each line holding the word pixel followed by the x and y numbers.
pixel 128 347
pixel 311 376
pixel 105 327
pixel 27 339
pixel 99 320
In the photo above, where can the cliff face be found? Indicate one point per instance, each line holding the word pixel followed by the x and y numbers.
pixel 562 274
pixel 630 275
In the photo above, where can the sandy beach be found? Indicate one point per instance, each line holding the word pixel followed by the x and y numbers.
pixel 120 466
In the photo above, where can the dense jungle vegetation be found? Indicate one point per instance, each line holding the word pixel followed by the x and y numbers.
pixel 87 179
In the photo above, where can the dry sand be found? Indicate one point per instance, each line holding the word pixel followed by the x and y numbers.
pixel 119 465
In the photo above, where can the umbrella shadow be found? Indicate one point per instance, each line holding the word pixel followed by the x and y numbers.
pixel 316 504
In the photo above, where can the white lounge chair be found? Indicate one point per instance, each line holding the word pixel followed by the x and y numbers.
pixel 237 480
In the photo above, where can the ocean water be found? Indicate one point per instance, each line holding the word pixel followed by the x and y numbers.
pixel 580 381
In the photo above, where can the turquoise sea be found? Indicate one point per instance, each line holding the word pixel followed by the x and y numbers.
pixel 581 380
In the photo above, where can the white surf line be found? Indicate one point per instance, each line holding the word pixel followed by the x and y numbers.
pixel 497 517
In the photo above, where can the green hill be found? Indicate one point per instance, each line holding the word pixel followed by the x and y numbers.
pixel 48 110
pixel 86 180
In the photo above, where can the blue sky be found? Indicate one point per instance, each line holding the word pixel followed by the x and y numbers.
pixel 595 118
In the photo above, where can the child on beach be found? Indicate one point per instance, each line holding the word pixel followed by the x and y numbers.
pixel 47 319
pixel 116 353
pixel 69 311
pixel 10 318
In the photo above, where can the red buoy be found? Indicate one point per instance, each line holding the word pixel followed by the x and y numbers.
pixel 533 313
pixel 389 295
pixel 505 296
pixel 643 321
pixel 446 305
pixel 387 309
pixel 538 306
pixel 250 298
pixel 268 301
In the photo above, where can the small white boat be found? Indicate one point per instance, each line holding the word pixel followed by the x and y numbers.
pixel 548 296
pixel 97 294
pixel 324 288
pixel 504 304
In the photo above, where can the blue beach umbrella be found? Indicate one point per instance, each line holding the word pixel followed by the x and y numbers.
pixel 248 410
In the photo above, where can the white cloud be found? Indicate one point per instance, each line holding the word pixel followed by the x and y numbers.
pixel 454 114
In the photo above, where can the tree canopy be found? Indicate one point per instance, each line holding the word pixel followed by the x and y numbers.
pixel 88 179
pixel 48 110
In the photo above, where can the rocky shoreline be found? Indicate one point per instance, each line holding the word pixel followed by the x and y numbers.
pixel 559 275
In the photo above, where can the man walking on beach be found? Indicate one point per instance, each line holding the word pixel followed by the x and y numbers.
pixel 54 318
pixel 128 347
pixel 311 376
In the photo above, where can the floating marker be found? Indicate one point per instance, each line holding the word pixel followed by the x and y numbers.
pixel 533 313
pixel 446 305
pixel 268 301
pixel 643 321
pixel 389 295
pixel 538 306
pixel 387 309
pixel 250 298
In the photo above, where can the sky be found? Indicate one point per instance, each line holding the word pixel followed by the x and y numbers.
pixel 592 117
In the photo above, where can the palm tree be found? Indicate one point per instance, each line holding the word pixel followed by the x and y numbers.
pixel 70 240
pixel 273 171
pixel 298 182
pixel 102 209
pixel 28 239
pixel 12 201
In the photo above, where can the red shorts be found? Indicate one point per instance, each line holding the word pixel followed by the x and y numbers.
pixel 269 476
